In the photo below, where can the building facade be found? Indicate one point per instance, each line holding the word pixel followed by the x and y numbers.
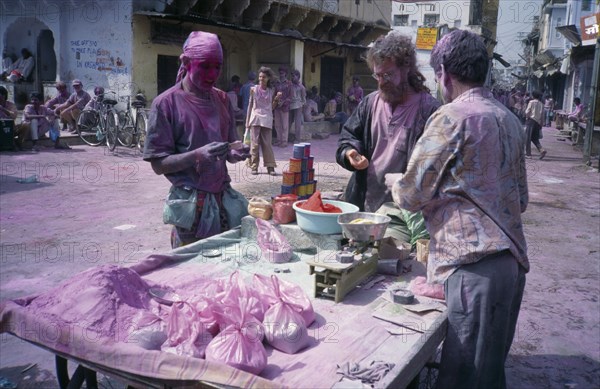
pixel 427 21
pixel 562 62
pixel 131 46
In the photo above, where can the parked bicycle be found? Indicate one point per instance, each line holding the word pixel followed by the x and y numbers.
pixel 97 126
pixel 133 123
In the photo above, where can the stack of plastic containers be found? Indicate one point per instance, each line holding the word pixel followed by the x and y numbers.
pixel 299 179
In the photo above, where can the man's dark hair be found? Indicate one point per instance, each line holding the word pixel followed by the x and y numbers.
pixel 577 100
pixel 4 92
pixel 463 55
pixel 400 49
pixel 536 95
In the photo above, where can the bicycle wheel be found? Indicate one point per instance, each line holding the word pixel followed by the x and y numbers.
pixel 112 129
pixel 141 126
pixel 88 128
pixel 126 131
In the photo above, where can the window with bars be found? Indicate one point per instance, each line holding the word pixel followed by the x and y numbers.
pixel 586 5
pixel 400 20
pixel 431 20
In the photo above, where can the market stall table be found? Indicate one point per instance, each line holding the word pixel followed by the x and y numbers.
pixel 343 333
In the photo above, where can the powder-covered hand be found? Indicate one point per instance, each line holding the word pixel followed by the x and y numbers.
pixel 212 152
pixel 240 154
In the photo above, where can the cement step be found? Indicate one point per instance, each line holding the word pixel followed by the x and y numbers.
pixel 66 137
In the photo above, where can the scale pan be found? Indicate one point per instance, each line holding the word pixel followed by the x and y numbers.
pixel 371 228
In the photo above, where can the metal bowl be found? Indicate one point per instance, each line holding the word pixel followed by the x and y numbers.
pixel 363 232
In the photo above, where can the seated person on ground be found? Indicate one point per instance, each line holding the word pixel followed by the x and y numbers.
pixel 37 120
pixel 21 69
pixel 577 114
pixel 60 98
pixel 331 112
pixel 8 109
pixel 70 109
pixel 310 110
pixel 89 115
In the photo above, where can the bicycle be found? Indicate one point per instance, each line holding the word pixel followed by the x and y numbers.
pixel 133 123
pixel 95 126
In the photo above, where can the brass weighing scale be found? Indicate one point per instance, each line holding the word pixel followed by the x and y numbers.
pixel 337 273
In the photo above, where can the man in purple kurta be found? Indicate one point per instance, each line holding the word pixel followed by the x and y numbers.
pixel 190 129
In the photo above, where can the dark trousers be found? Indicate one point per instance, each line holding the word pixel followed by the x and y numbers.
pixel 483 301
pixel 533 129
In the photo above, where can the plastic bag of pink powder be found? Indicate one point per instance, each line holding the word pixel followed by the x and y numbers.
pixel 187 334
pixel 420 287
pixel 273 244
pixel 237 289
pixel 147 331
pixel 239 344
pixel 274 290
pixel 203 307
pixel 284 327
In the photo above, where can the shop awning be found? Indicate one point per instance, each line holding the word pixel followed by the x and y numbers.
pixel 287 33
pixel 571 33
pixel 499 58
pixel 545 57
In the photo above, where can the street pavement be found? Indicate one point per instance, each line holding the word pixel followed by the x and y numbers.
pixel 92 207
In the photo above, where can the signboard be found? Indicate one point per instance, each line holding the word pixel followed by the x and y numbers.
pixel 426 37
pixel 589 29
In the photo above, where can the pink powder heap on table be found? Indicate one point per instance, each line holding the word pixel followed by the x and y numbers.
pixel 102 299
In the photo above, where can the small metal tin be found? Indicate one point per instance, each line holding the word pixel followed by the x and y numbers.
pixel 402 296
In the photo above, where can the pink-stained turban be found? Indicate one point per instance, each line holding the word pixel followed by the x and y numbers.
pixel 200 45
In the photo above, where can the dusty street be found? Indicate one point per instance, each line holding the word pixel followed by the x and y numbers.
pixel 91 207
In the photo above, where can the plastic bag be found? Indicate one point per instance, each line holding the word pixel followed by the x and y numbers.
pixel 180 207
pixel 239 344
pixel 147 331
pixel 273 289
pixel 236 289
pixel 186 335
pixel 285 329
pixel 283 212
pixel 419 286
pixel 260 208
pixel 247 137
pixel 210 219
pixel 54 133
pixel 235 205
pixel 273 244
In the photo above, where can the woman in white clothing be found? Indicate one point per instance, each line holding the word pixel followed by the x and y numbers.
pixel 260 121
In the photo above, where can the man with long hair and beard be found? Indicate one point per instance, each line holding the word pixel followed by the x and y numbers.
pixel 380 135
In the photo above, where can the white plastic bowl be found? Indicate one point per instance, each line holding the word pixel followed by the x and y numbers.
pixel 322 222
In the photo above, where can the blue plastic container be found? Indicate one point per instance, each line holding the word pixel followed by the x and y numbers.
pixel 320 222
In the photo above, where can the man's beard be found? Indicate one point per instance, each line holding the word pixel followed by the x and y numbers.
pixel 394 94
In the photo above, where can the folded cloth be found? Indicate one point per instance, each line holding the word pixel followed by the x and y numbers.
pixel 367 375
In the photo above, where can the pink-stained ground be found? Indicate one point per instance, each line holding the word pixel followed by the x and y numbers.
pixel 95 208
